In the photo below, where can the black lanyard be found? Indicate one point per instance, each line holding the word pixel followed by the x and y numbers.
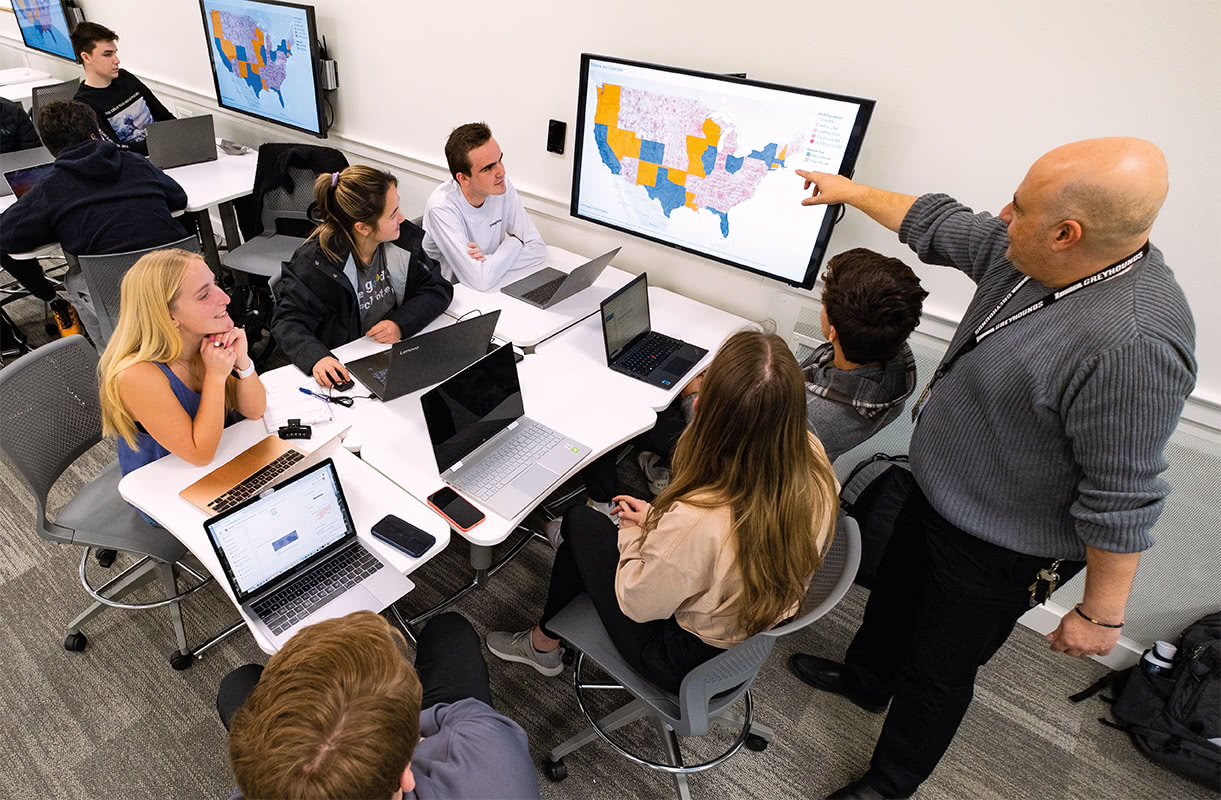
pixel 982 331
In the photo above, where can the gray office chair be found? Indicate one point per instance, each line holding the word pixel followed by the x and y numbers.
pixel 708 690
pixel 265 254
pixel 49 416
pixel 103 276
pixel 50 94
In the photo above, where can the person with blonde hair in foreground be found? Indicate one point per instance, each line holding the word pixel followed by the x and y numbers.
pixel 727 550
pixel 339 712
pixel 175 364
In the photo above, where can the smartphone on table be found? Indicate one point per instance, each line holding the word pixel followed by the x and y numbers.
pixel 455 508
pixel 402 535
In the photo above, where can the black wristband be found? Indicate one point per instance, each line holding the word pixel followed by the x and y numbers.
pixel 1082 614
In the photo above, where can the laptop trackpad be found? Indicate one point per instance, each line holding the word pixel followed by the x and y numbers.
pixel 356 598
pixel 534 481
pixel 678 366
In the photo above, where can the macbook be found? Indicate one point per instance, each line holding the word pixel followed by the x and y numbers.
pixel 634 348
pixel 178 142
pixel 12 162
pixel 267 462
pixel 425 358
pixel 23 180
pixel 485 444
pixel 549 286
pixel 292 557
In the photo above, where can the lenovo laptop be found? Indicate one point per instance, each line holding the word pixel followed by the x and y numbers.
pixel 19 160
pixel 267 462
pixel 484 443
pixel 549 286
pixel 178 142
pixel 634 348
pixel 425 358
pixel 292 557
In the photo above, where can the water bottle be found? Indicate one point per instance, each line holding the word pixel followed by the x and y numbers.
pixel 1159 660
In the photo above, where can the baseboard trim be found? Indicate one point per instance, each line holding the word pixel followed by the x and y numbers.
pixel 1046 618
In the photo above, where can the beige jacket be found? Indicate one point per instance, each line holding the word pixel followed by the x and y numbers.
pixel 687 567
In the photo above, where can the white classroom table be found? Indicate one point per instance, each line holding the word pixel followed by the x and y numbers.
pixel 21 75
pixel 23 92
pixel 523 324
pixel 672 314
pixel 570 401
pixel 154 490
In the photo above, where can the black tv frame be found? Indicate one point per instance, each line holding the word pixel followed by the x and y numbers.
pixel 68 21
pixel 855 138
pixel 312 33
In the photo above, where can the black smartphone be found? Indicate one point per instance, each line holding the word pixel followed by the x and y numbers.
pixel 403 535
pixel 455 508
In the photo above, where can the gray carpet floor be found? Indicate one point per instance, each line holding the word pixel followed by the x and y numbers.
pixel 116 722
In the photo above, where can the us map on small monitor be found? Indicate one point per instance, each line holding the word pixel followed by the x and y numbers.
pixel 263 60
pixel 44 26
pixel 705 162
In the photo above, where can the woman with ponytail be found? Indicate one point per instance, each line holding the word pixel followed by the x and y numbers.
pixel 727 550
pixel 362 272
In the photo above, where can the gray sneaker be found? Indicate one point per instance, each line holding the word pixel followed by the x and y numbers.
pixel 516 647
pixel 552 530
pixel 657 476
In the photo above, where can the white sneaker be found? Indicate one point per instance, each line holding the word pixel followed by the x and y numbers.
pixel 517 647
pixel 658 477
pixel 552 529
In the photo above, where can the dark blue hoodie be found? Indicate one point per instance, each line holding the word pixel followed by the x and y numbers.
pixel 98 199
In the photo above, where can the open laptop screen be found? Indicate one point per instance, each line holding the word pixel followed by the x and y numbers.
pixel 264 538
pixel 625 315
pixel 24 179
pixel 473 406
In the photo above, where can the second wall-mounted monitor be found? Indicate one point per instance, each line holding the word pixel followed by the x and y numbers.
pixel 265 61
pixel 705 162
pixel 45 26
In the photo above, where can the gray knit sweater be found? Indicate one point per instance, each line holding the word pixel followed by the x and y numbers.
pixel 1049 436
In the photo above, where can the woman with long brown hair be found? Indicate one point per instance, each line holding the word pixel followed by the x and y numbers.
pixel 727 550
pixel 362 271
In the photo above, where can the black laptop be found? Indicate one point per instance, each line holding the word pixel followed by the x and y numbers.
pixel 634 348
pixel 179 142
pixel 425 358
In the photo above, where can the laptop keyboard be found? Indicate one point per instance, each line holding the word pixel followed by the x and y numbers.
pixel 507 461
pixel 295 601
pixel 649 353
pixel 541 294
pixel 256 482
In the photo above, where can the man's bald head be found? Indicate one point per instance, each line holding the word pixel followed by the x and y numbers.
pixel 1113 187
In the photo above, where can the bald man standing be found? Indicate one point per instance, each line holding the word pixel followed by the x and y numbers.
pixel 1038 443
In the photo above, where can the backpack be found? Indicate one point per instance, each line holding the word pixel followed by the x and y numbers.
pixel 874 493
pixel 1171 717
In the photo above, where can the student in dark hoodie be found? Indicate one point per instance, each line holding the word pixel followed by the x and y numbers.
pixel 98 199
pixel 16 128
pixel 362 272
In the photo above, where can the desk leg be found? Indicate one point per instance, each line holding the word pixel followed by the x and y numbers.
pixel 483 567
pixel 208 238
pixel 228 221
pixel 197 653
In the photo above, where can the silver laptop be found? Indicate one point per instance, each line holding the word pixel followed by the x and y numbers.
pixel 426 358
pixel 20 160
pixel 292 557
pixel 549 286
pixel 484 443
pixel 178 142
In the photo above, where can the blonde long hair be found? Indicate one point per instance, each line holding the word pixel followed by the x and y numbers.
pixel 747 448
pixel 145 332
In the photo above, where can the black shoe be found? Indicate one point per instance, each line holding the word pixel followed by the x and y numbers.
pixel 828 675
pixel 859 790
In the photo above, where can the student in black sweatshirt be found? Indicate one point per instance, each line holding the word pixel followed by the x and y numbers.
pixel 98 199
pixel 16 129
pixel 125 106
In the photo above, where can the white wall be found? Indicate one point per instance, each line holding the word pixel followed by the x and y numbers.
pixel 968 96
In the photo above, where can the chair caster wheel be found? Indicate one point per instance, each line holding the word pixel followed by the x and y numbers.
pixel 106 558
pixel 181 661
pixel 569 658
pixel 75 642
pixel 555 771
pixel 756 743
pixel 51 328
